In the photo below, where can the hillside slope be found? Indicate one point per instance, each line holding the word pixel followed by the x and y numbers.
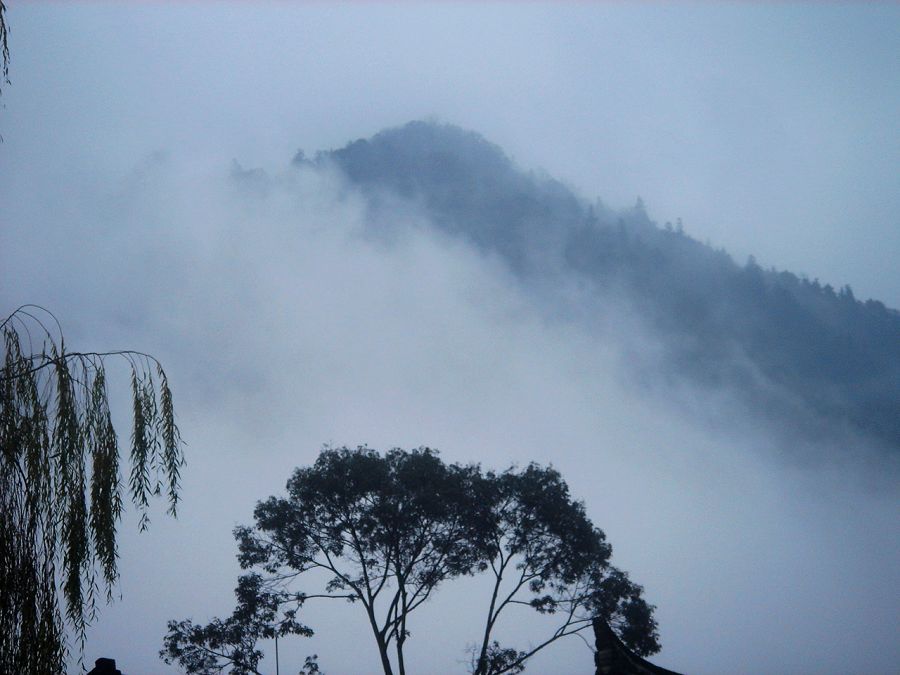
pixel 809 356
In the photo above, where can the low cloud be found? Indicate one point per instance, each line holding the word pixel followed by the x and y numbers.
pixel 285 324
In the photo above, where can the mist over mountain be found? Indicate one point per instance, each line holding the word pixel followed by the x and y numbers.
pixel 731 428
pixel 297 307
pixel 816 361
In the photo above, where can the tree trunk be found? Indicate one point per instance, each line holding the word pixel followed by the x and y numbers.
pixel 481 666
pixel 382 645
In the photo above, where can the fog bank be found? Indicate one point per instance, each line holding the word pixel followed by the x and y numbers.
pixel 284 326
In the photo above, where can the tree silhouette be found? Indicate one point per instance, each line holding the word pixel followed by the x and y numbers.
pixel 208 650
pixel 387 530
pixel 393 526
pixel 545 553
pixel 60 488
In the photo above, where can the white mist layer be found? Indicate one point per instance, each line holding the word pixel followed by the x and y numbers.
pixel 284 325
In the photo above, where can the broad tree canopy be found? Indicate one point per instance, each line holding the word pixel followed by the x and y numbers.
pixel 385 530
pixel 545 553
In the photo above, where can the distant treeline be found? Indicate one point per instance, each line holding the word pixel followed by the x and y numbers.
pixel 834 359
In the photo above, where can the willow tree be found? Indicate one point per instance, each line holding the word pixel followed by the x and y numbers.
pixel 60 483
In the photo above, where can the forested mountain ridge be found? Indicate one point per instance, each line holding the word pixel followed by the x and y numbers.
pixel 833 359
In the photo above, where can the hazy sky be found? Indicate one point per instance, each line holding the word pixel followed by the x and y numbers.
pixel 769 129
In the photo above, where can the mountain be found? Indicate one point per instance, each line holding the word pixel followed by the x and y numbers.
pixel 815 359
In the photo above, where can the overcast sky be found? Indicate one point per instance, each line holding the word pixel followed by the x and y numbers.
pixel 769 130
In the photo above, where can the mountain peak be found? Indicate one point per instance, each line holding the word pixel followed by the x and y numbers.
pixel 824 357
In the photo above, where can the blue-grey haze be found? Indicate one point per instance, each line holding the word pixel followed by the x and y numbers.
pixel 285 323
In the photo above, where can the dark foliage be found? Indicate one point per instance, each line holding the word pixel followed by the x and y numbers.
pixel 232 643
pixel 545 553
pixel 60 488
pixel 388 529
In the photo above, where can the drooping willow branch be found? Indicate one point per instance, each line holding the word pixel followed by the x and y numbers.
pixel 60 482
